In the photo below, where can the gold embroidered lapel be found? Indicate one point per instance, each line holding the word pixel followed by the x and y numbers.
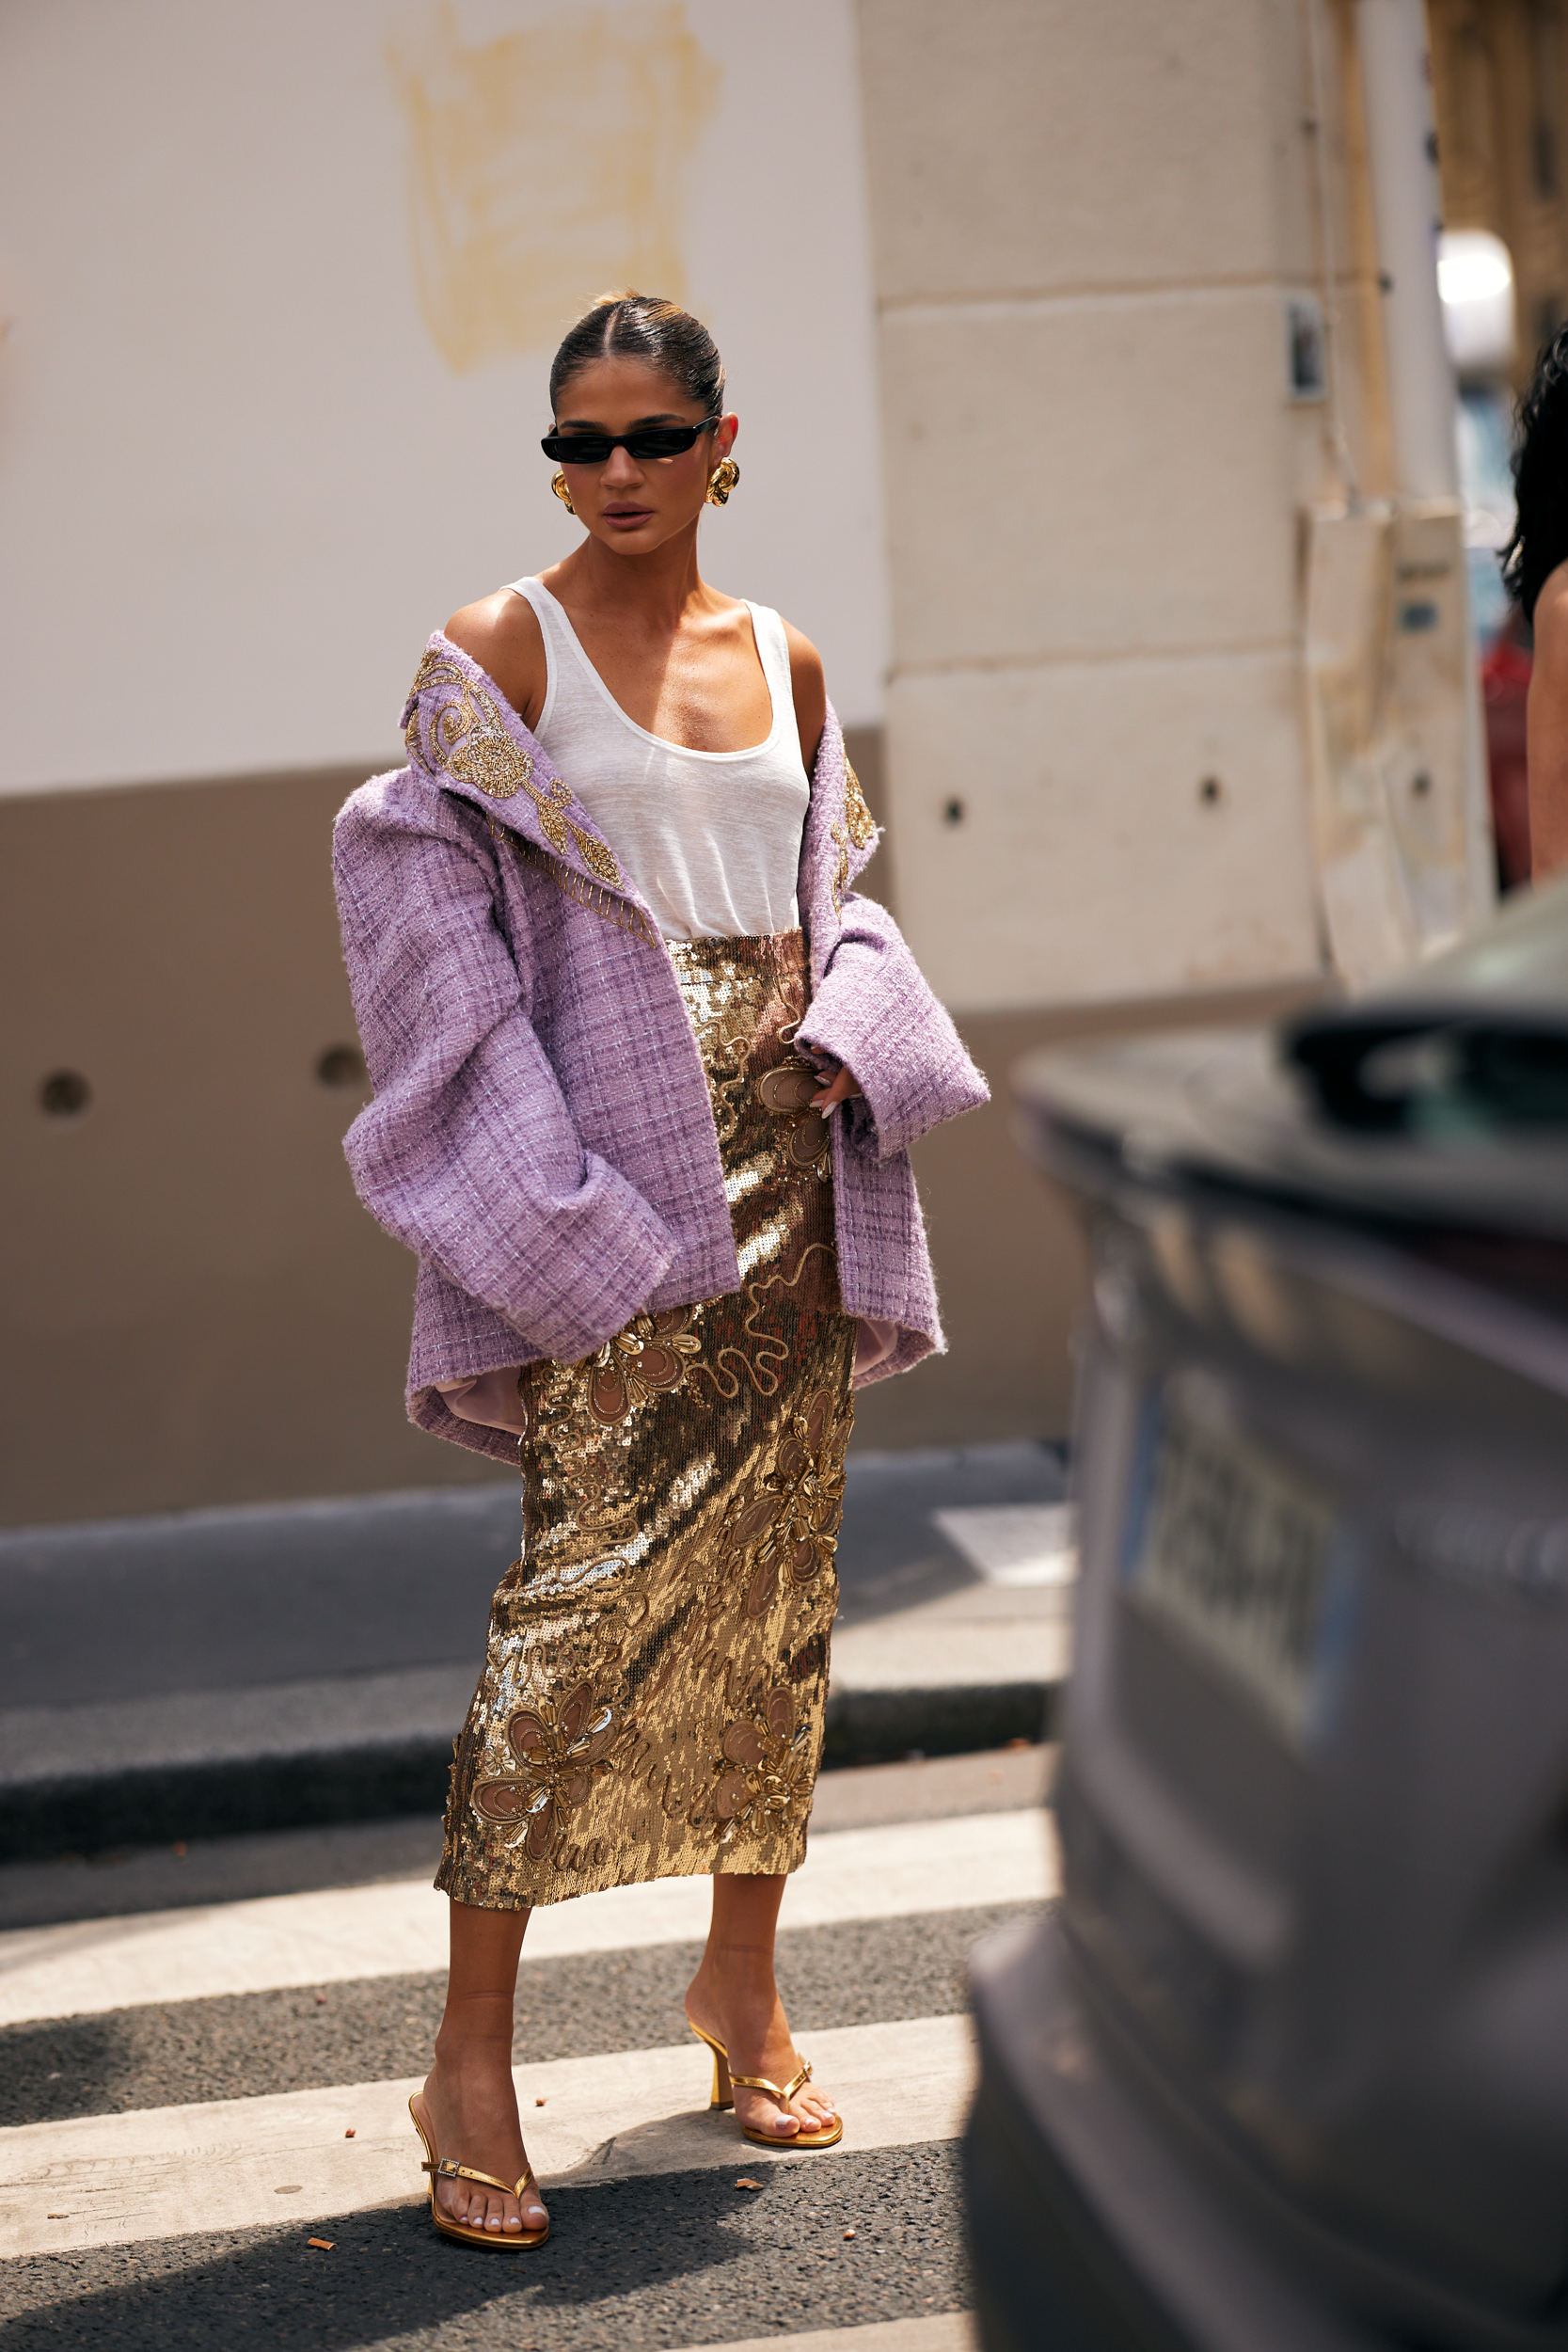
pixel 468 739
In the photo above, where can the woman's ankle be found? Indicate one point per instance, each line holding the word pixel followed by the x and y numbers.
pixel 739 1967
pixel 461 2050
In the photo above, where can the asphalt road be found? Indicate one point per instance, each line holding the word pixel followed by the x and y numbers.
pixel 671 2259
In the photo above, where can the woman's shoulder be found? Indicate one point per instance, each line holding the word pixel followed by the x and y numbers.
pixel 804 660
pixel 803 656
pixel 501 633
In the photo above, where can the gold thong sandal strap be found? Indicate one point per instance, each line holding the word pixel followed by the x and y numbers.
pixel 760 2082
pixel 450 2171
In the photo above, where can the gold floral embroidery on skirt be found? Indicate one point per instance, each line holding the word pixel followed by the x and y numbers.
pixel 787 1093
pixel 646 1359
pixel 765 1766
pixel 562 1752
pixel 654 1684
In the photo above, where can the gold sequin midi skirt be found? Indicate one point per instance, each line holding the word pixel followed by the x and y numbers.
pixel 655 1678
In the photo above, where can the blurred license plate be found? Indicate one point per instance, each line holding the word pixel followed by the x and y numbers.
pixel 1233 1553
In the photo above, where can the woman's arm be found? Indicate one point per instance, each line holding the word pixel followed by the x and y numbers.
pixel 1547 729
pixel 809 686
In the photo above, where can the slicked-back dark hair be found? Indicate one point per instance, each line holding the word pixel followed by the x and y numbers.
pixel 1540 541
pixel 643 326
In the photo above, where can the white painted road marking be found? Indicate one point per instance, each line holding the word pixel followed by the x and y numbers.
pixel 1025 1543
pixel 981 1635
pixel 245 2164
pixel 86 1966
pixel 948 2331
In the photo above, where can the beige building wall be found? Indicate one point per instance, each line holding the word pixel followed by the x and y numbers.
pixel 282 285
pixel 1088 224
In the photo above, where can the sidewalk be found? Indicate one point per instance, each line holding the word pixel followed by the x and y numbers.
pixel 219 1672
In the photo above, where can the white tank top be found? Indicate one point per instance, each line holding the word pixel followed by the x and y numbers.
pixel 711 840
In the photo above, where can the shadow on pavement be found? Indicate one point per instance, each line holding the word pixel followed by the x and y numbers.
pixel 679 2260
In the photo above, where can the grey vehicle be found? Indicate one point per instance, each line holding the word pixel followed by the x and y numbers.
pixel 1287 2066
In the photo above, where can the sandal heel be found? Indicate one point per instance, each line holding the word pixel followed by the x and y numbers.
pixel 722 2094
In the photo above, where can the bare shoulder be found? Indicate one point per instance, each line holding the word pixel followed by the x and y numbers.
pixel 1551 630
pixel 502 634
pixel 805 663
pixel 809 690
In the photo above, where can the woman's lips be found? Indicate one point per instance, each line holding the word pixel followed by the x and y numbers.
pixel 628 514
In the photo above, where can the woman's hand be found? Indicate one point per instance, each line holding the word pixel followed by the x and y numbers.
pixel 838 1090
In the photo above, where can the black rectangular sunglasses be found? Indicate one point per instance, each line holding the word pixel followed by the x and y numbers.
pixel 649 441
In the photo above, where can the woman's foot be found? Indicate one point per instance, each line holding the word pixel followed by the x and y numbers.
pixel 734 1998
pixel 469 2107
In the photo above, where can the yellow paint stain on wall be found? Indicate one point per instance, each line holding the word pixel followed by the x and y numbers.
pixel 545 165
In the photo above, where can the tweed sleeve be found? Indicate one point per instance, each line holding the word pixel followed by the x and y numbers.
pixel 468 1153
pixel 874 1011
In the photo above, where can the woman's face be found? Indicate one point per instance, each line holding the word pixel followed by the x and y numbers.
pixel 630 504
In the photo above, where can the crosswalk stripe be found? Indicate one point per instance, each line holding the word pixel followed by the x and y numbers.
pixel 946 2331
pixel 239 2164
pixel 976 1633
pixel 86 1966
pixel 1015 1544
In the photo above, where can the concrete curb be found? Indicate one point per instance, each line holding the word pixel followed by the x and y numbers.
pixel 294 1665
pixel 154 1801
pixel 874 1727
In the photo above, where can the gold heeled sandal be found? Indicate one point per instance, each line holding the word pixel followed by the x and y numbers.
pixel 723 2097
pixel 466 2232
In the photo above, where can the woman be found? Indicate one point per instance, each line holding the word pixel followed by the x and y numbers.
pixel 645 1071
pixel 1535 571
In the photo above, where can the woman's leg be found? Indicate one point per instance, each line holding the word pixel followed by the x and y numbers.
pixel 470 2099
pixel 733 1997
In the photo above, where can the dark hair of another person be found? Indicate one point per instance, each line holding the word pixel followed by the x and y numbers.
pixel 1540 541
pixel 642 326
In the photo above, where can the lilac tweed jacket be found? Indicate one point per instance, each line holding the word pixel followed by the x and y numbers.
pixel 541 1134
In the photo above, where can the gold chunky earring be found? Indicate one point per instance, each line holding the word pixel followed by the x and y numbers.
pixel 558 483
pixel 721 481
